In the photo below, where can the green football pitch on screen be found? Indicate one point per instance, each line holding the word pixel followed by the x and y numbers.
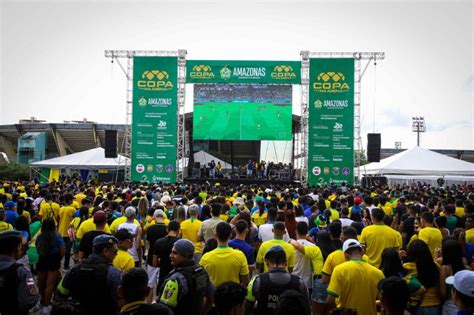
pixel 240 120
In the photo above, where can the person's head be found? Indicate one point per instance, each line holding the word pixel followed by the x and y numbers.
pixel 352 249
pixel 348 232
pixel 345 212
pixel 335 229
pixel 229 298
pixel 193 211
pixel 134 285
pixel 279 230
pixel 182 251
pixel 391 264
pixel 180 214
pixel 124 238
pixel 159 216
pixel 377 215
pixel 130 213
pixel 427 219
pixel 441 222
pixel 173 227
pixel 271 214
pixel 66 307
pixel 48 225
pixel 463 289
pixel 419 252
pixel 275 257
pixel 452 253
pixel 242 228
pixel 394 295
pixel 10 244
pixel 100 219
pixel 106 246
pixel 216 209
pixel 469 221
pixel 292 302
pixel 223 232
pixel 301 229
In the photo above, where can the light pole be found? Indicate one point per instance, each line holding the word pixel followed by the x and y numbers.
pixel 418 125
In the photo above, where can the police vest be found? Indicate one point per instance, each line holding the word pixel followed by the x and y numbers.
pixel 197 281
pixel 270 292
pixel 87 283
pixel 8 290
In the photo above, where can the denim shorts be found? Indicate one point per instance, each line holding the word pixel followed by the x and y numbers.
pixel 319 294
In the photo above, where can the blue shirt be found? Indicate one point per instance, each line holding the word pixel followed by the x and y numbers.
pixel 245 248
pixel 11 216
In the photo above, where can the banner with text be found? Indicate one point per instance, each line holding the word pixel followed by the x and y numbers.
pixel 331 121
pixel 154 127
pixel 225 71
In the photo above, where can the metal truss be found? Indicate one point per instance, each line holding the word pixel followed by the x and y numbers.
pixel 129 54
pixel 358 74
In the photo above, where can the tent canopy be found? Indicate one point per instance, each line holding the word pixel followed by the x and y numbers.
pixel 93 159
pixel 419 161
pixel 204 158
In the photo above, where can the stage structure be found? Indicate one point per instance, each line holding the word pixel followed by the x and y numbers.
pixel 253 93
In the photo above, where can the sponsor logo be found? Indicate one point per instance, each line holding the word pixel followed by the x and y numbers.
pixel 144 178
pixel 159 168
pixel 326 171
pixel 338 126
pixel 346 171
pixel 140 168
pixel 149 168
pixel 162 124
pixel 316 171
pixel 318 104
pixel 202 72
pixel 249 72
pixel 283 72
pixel 335 170
pixel 169 168
pixel 226 73
pixel 142 102
pixel 331 82
pixel 155 80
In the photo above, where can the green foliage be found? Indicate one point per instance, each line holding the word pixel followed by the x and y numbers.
pixel 360 155
pixel 14 171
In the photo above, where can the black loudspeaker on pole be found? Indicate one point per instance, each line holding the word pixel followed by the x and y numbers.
pixel 373 147
pixel 111 143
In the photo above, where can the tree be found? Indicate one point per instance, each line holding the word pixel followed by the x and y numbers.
pixel 360 154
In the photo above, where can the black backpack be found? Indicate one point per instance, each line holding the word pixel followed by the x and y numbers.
pixel 8 290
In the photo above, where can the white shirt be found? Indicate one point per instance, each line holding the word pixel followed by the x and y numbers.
pixel 133 229
pixel 346 222
pixel 302 219
pixel 265 233
pixel 303 267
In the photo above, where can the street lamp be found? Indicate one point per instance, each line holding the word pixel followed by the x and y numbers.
pixel 418 125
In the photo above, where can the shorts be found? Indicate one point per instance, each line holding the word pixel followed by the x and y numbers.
pixel 319 294
pixel 152 275
pixel 48 263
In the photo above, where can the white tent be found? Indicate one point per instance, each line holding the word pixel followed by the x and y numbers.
pixel 418 161
pixel 204 158
pixel 93 159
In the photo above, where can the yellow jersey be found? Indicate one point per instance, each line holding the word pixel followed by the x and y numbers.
pixel 115 224
pixel 189 230
pixel 225 264
pixel 432 295
pixel 316 256
pixel 470 236
pixel 123 261
pixel 66 214
pixel 259 219
pixel 432 237
pixel 334 215
pixel 355 284
pixel 376 238
pixel 334 259
pixel 459 211
pixel 49 210
pixel 89 225
pixel 289 250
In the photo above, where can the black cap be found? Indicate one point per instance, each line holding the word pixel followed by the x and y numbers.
pixel 123 234
pixel 10 239
pixel 275 253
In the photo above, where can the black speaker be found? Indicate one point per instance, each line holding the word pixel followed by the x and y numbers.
pixel 373 147
pixel 111 143
pixel 369 181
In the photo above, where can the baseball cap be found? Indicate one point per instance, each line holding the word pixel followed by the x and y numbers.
pixel 275 253
pixel 9 204
pixel 350 243
pixel 159 213
pixel 104 239
pixel 10 239
pixel 358 200
pixel 463 282
pixel 123 234
pixel 129 212
pixel 184 247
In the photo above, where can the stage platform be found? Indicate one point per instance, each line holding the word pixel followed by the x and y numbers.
pixel 240 181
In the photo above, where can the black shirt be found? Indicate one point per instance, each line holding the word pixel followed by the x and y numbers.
pixel 163 248
pixel 154 233
pixel 85 245
pixel 146 309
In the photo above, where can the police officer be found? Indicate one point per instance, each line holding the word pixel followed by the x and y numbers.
pixel 188 284
pixel 266 288
pixel 95 280
pixel 18 290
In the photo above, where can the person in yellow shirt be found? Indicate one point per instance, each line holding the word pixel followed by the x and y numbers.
pixel 459 210
pixel 259 217
pixel 429 234
pixel 66 214
pixel 470 229
pixel 124 261
pixel 279 232
pixel 378 236
pixel 49 209
pixel 385 206
pixel 190 229
pixel 115 224
pixel 334 213
pixel 354 282
pixel 4 226
pixel 89 225
pixel 225 263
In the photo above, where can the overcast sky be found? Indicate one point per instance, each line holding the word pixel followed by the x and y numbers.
pixel 53 65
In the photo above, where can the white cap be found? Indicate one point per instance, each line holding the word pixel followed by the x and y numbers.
pixel 350 243
pixel 463 281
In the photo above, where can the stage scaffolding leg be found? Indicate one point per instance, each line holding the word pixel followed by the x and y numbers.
pixel 304 116
pixel 180 156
